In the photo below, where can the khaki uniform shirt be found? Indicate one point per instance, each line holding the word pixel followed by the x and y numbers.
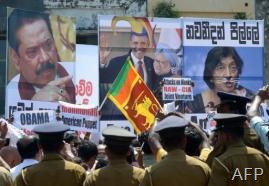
pixel 5 177
pixel 229 168
pixel 251 139
pixel 53 170
pixel 117 173
pixel 176 169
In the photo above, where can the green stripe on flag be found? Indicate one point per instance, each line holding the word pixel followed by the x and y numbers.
pixel 120 79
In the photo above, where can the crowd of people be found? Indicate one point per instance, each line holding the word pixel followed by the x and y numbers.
pixel 235 153
pixel 173 152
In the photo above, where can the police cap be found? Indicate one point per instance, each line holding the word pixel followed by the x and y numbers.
pixel 229 121
pixel 117 136
pixel 171 122
pixel 234 103
pixel 51 131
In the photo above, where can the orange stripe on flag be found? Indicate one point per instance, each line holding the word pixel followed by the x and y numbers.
pixel 126 89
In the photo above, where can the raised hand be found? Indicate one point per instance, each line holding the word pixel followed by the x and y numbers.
pixel 104 50
pixel 54 91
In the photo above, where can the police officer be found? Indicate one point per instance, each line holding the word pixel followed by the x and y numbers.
pixel 239 164
pixel 53 170
pixel 231 103
pixel 176 168
pixel 118 172
pixel 237 105
pixel 5 177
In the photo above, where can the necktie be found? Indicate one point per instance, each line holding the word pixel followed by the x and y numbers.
pixel 140 69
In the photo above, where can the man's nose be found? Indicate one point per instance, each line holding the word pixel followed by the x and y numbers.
pixel 44 56
pixel 140 45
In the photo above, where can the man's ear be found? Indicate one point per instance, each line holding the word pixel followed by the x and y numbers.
pixel 14 58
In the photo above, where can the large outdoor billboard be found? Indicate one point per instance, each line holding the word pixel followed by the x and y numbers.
pixel 154 46
pixel 222 55
pixel 40 61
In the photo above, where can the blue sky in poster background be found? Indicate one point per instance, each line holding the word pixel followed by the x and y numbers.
pixel 252 72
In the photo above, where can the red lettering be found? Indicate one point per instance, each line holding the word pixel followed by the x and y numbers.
pixel 186 89
pixel 82 111
pixel 170 89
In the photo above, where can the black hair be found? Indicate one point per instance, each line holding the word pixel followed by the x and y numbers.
pixel 131 157
pixel 17 19
pixel 69 137
pixel 101 163
pixel 120 150
pixel 171 138
pixel 194 140
pixel 28 147
pixel 236 132
pixel 86 150
pixel 51 143
pixel 214 57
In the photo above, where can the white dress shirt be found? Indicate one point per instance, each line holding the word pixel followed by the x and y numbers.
pixel 135 61
pixel 17 169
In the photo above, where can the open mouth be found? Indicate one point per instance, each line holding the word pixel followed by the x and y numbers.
pixel 229 84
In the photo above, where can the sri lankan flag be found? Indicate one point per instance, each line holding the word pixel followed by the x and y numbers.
pixel 135 100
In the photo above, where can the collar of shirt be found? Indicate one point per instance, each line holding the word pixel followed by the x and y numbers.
pixel 117 162
pixel 135 60
pixel 52 156
pixel 178 153
pixel 239 143
pixel 30 161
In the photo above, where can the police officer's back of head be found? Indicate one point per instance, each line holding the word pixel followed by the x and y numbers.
pixel 231 124
pixel 231 103
pixel 117 141
pixel 51 136
pixel 172 132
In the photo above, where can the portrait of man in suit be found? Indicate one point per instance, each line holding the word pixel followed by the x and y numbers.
pixel 140 41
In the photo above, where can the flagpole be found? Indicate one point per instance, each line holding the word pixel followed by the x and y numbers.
pixel 102 104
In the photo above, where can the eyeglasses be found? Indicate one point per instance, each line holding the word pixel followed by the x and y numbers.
pixel 161 62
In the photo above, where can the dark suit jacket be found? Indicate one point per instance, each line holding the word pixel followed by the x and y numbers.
pixel 108 75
